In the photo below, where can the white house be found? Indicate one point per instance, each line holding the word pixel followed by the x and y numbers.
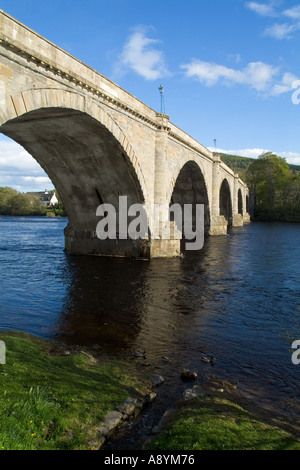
pixel 47 198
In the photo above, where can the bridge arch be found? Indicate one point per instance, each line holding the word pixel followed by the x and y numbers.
pixel 84 152
pixel 240 202
pixel 40 98
pixel 247 204
pixel 189 186
pixel 226 201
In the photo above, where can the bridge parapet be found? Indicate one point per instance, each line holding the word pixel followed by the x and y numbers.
pixel 63 66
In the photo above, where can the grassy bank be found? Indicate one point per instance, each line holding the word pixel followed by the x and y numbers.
pixel 215 421
pixel 55 399
pixel 50 399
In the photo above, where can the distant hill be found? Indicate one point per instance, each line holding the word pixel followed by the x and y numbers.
pixel 295 168
pixel 240 164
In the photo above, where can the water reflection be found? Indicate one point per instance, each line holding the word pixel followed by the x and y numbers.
pixel 103 303
pixel 233 300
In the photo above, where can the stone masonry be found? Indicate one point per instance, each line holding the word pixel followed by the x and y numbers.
pixel 98 142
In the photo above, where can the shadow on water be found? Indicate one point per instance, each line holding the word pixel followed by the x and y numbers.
pixel 233 301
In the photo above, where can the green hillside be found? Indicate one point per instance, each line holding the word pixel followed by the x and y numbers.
pixel 240 164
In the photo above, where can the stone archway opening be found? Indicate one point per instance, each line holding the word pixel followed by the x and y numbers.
pixel 190 188
pixel 247 204
pixel 225 202
pixel 240 202
pixel 87 165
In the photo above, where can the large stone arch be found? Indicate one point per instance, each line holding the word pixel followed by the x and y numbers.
pixel 34 99
pixel 240 207
pixel 226 201
pixel 189 186
pixel 82 149
pixel 178 167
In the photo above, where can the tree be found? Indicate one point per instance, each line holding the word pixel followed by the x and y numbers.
pixel 14 203
pixel 266 178
pixel 6 198
pixel 26 204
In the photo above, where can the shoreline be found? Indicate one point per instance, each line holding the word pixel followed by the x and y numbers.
pixel 29 353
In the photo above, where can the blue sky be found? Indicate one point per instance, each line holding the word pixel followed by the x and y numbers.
pixel 228 67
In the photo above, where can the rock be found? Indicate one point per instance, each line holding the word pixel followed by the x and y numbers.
pixel 208 360
pixel 91 358
pixel 157 380
pixel 139 354
pixel 192 393
pixel 151 397
pixel 111 422
pixel 163 421
pixel 101 441
pixel 128 407
pixel 187 374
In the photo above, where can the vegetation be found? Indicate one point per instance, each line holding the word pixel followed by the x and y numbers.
pixel 274 185
pixel 236 163
pixel 214 422
pixel 27 204
pixel 275 188
pixel 53 401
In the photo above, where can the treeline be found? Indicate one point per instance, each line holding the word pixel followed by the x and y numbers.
pixel 274 186
pixel 27 204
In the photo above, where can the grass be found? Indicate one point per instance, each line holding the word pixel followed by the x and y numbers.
pixel 216 423
pixel 51 401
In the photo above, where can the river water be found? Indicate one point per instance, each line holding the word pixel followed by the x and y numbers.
pixel 236 300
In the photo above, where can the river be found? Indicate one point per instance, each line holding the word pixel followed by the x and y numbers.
pixel 235 300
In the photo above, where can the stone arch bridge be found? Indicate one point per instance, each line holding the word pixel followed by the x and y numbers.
pixel 97 142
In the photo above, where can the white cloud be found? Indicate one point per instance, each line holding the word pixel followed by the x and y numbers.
pixel 285 86
pixel 264 78
pixel 257 75
pixel 237 58
pixel 281 31
pixel 19 170
pixel 35 179
pixel 293 12
pixel 249 153
pixel 291 157
pixel 13 155
pixel 142 56
pixel 262 9
pixel 270 9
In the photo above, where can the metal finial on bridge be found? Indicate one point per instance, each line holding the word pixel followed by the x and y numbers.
pixel 162 102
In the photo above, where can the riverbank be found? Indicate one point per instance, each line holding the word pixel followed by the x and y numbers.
pixel 56 398
pixel 220 419
pixel 53 398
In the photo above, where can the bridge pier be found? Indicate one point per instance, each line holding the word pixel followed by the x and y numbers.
pixel 246 218
pixel 237 220
pixel 161 247
pixel 86 242
pixel 219 225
